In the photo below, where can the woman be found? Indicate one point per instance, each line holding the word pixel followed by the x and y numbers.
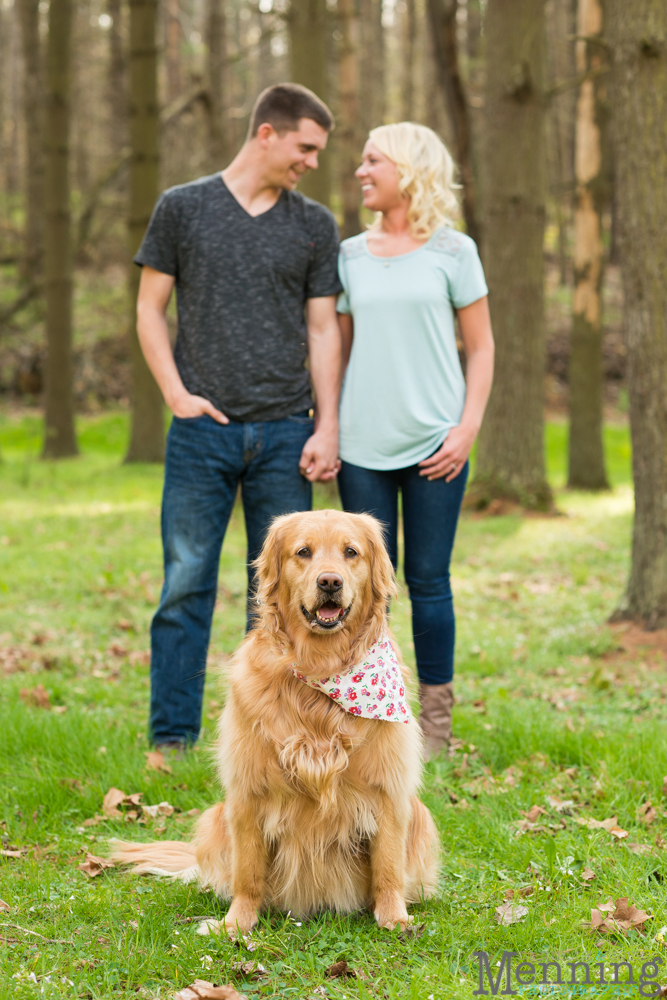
pixel 408 419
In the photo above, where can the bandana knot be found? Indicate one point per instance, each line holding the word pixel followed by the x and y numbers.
pixel 373 688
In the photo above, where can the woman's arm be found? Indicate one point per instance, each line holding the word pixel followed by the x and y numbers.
pixel 346 324
pixel 475 326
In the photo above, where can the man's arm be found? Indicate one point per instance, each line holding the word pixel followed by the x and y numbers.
pixel 155 290
pixel 319 458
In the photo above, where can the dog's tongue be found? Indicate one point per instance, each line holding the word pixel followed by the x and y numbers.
pixel 329 611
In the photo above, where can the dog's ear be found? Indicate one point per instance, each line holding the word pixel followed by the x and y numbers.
pixel 382 572
pixel 269 563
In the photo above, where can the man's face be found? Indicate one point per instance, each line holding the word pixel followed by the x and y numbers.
pixel 293 154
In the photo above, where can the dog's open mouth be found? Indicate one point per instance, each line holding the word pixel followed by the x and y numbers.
pixel 327 616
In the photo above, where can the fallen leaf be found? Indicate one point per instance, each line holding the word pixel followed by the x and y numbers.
pixel 340 970
pixel 118 649
pixel 92 866
pixel 640 848
pixel 162 809
pixel 510 913
pixel 251 970
pixel 125 625
pixel 201 990
pixel 526 890
pixel 60 709
pixel 595 824
pixel 37 697
pixel 115 798
pixel 479 706
pixel 411 931
pixel 155 761
pixel 621 917
pixel 5 907
pixel 588 875
pixel 534 813
pixel 93 821
pixel 560 805
pixel 646 813
pixel 11 854
pixel 142 657
pixel 617 832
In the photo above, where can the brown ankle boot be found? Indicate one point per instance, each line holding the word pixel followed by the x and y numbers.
pixel 436 702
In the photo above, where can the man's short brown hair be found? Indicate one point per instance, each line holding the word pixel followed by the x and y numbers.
pixel 284 105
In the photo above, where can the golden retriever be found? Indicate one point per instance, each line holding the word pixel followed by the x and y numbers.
pixel 320 808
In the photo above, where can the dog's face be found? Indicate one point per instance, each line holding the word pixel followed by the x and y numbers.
pixel 325 570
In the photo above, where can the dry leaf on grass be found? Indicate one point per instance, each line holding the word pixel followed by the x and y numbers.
pixel 526 890
pixel 37 697
pixel 5 907
pixel 251 970
pixel 93 821
pixel 155 761
pixel 621 917
pixel 510 913
pixel 610 825
pixel 340 970
pixel 132 808
pixel 162 809
pixel 12 854
pixel 534 813
pixel 640 848
pixel 618 833
pixel 201 990
pixel 561 805
pixel 411 931
pixel 92 866
pixel 646 813
pixel 588 875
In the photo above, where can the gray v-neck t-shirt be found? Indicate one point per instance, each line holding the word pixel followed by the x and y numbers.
pixel 242 283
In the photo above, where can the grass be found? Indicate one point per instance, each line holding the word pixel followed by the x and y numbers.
pixel 549 711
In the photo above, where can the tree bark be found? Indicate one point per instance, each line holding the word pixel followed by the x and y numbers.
pixel 409 42
pixel 308 24
pixel 442 16
pixel 59 434
pixel 33 114
pixel 116 82
pixel 173 50
pixel 510 458
pixel 586 451
pixel 372 68
pixel 217 59
pixel 637 33
pixel 348 139
pixel 147 420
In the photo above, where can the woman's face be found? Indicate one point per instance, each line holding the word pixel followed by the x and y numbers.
pixel 379 180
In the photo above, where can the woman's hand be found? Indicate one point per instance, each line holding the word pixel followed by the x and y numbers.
pixel 450 458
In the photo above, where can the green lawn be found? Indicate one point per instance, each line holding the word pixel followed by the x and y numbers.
pixel 549 712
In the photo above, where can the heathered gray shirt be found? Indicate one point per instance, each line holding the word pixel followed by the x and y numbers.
pixel 241 286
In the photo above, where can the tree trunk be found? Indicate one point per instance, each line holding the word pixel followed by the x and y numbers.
pixel 637 34
pixel 372 69
pixel 510 458
pixel 116 79
pixel 409 41
pixel 348 140
pixel 59 435
pixel 33 113
pixel 173 50
pixel 217 59
pixel 308 27
pixel 147 430
pixel 442 16
pixel 586 452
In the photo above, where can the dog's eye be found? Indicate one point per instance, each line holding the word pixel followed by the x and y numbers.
pixel 350 552
pixel 304 552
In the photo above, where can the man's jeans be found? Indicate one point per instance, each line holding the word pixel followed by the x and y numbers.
pixel 430 516
pixel 205 463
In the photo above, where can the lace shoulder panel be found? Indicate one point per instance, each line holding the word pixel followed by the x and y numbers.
pixel 355 246
pixel 446 240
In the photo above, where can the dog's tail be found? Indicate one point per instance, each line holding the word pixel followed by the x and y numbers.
pixel 172 858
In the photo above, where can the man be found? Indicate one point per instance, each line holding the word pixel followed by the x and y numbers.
pixel 247 255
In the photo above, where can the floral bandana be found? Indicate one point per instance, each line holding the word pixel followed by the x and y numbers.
pixel 372 689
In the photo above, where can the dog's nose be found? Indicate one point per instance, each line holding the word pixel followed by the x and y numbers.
pixel 329 581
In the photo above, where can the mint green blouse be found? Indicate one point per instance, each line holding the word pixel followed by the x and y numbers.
pixel 404 388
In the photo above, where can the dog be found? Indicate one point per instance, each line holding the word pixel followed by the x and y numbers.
pixel 321 809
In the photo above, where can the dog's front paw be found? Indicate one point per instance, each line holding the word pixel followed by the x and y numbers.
pixel 241 917
pixel 390 910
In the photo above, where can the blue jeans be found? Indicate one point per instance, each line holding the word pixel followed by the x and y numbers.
pixel 205 463
pixel 430 516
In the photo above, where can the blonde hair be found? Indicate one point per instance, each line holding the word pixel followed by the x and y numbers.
pixel 426 174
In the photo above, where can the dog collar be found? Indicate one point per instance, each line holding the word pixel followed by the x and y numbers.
pixel 372 689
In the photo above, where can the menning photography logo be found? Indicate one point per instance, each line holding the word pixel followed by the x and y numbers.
pixel 580 977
